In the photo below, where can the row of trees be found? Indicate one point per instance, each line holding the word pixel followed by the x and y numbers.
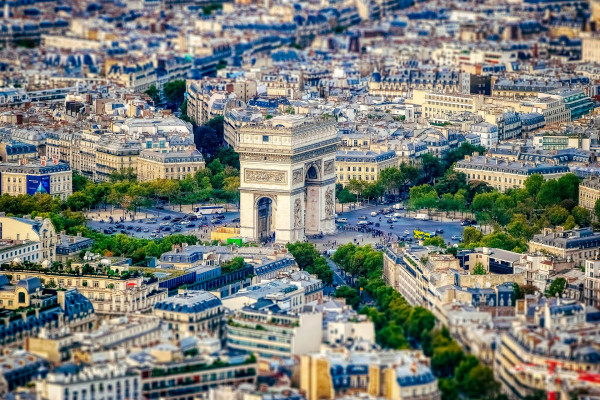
pixel 217 182
pixel 395 180
pixel 310 260
pixel 399 326
pixel 516 215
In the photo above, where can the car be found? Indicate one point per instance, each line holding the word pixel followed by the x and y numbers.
pixel 236 219
pixel 177 229
pixel 362 217
pixel 217 222
pixel 465 222
pixel 129 227
pixel 108 231
pixel 151 221
pixel 341 220
pixel 397 214
pixel 138 229
pixel 165 228
pixel 177 219
pixel 373 213
pixel 119 226
pixel 377 225
pixel 220 216
pixel 362 223
pixel 456 237
pixel 152 234
pixel 192 217
pixel 146 230
pixel 123 231
pixel 394 219
pixel 439 230
pixel 406 232
pixel 190 225
pixel 166 217
pixel 389 221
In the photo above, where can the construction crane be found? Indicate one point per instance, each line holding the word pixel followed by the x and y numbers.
pixel 555 375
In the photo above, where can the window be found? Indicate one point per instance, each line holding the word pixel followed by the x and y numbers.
pixel 21 297
pixel 265 138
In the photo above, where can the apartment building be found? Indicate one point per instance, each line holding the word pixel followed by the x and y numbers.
pixel 288 85
pixel 109 295
pixel 15 151
pixel 575 100
pixel 387 374
pixel 589 193
pixel 504 174
pixel 488 133
pixel 546 332
pixel 591 289
pixel 208 97
pixel 290 292
pixel 362 165
pixel 590 48
pixel 97 381
pixel 31 177
pixel 271 333
pixel 190 312
pixel 438 105
pixel 442 280
pixel 552 108
pixel 152 165
pixel 113 155
pixel 168 375
pixel 28 232
pixel 576 245
pixel 26 308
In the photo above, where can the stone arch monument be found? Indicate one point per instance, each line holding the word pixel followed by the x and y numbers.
pixel 287 182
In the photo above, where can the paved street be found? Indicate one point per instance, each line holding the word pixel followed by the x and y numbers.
pixel 145 221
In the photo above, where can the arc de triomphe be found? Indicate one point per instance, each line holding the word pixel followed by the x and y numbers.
pixel 287 182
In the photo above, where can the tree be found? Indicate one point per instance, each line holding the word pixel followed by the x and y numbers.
pixel 522 290
pixel 597 209
pixel 557 287
pixel 446 358
pixel 471 235
pixel 581 215
pixel 421 322
pixel 437 241
pixel 423 196
pixel 479 383
pixel 350 294
pixel 557 215
pixel 479 269
pixel 569 223
pixel 153 93
pixel 174 92
pixel 549 193
pixel 533 184
pixel 568 186
pixel 432 166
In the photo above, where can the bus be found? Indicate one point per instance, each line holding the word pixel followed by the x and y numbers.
pixel 420 235
pixel 205 210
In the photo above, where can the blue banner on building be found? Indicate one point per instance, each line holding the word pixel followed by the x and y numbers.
pixel 38 184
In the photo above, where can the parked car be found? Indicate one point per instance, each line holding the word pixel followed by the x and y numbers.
pixel 166 217
pixel 192 217
pixel 456 237
pixel 236 219
pixel 190 225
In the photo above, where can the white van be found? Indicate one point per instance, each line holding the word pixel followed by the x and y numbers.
pixel 362 222
pixel 341 220
pixel 397 214
pixel 422 217
pixel 373 214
